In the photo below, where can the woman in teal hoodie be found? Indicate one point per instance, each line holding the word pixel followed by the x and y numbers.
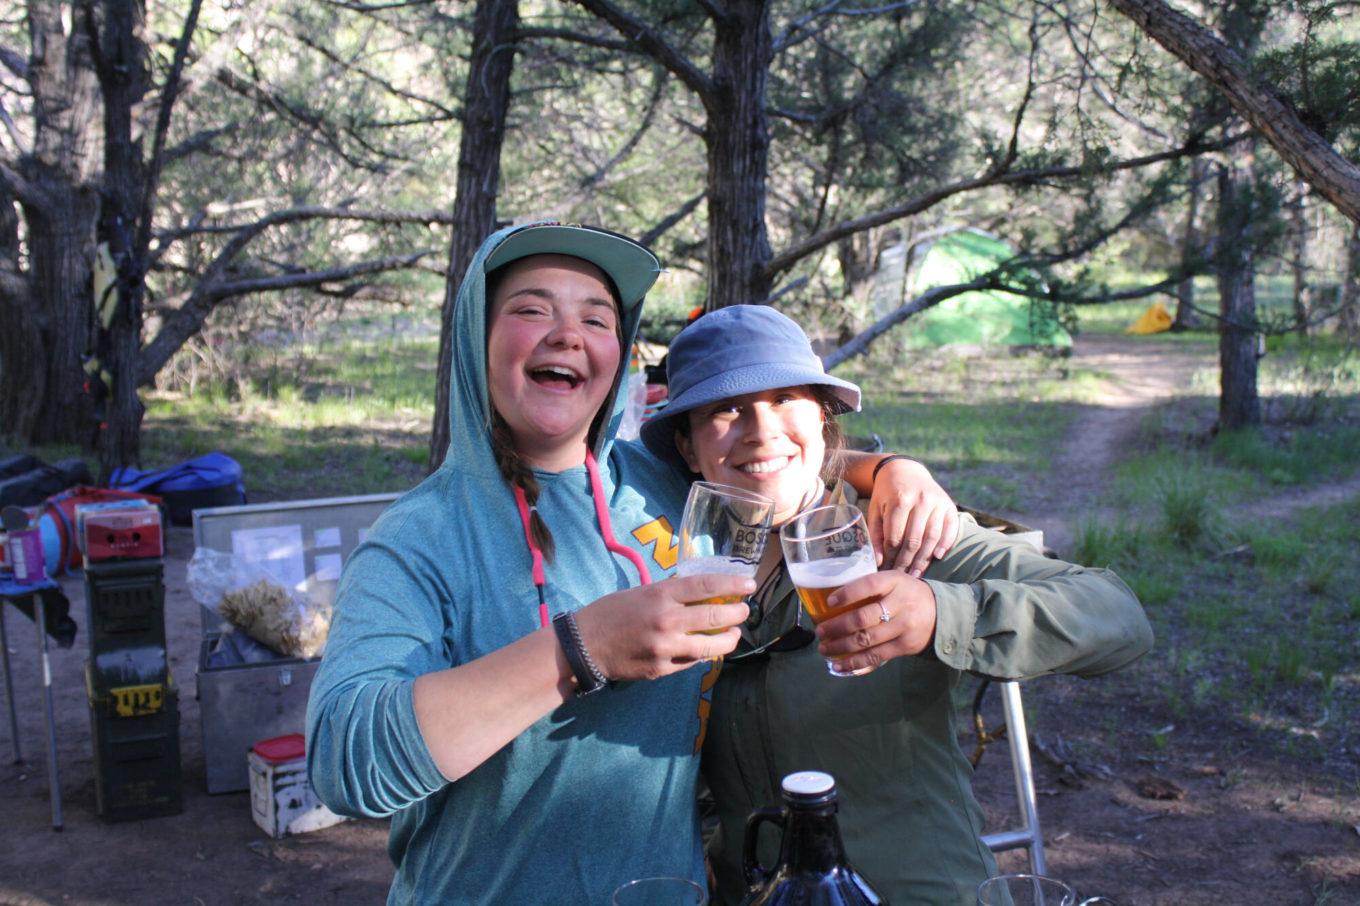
pixel 528 706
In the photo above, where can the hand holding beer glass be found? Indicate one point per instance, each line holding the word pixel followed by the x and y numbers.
pixel 723 531
pixel 825 548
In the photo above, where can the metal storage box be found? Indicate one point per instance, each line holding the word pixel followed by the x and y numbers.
pixel 303 542
pixel 125 604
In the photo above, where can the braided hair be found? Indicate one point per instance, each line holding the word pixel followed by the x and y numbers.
pixel 516 471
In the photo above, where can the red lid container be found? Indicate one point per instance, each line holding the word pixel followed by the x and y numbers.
pixel 282 749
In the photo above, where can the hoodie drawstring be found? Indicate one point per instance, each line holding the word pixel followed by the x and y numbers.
pixel 606 532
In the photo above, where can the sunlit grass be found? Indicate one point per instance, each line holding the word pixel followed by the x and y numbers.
pixel 344 415
pixel 982 420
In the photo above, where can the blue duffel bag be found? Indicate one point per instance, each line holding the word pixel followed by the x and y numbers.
pixel 211 480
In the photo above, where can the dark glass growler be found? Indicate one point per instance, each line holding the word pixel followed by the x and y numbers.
pixel 813 869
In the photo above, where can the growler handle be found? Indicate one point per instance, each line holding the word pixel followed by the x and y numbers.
pixel 755 873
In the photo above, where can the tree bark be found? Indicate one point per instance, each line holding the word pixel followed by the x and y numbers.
pixel 45 309
pixel 738 142
pixel 1239 406
pixel 123 77
pixel 1348 320
pixel 486 104
pixel 1298 263
pixel 1313 159
pixel 1186 319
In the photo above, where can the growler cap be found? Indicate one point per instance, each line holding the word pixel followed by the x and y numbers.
pixel 809 786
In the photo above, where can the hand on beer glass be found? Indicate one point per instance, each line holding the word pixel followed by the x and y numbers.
pixel 825 548
pixel 723 530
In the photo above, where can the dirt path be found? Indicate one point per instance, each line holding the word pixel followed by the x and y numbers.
pixel 1288 502
pixel 1137 373
pixel 1204 826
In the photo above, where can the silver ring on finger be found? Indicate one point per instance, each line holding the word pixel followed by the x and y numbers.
pixel 883 617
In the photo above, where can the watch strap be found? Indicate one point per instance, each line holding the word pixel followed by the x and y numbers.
pixel 589 678
pixel 878 467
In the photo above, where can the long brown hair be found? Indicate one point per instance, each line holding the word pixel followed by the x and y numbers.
pixel 833 463
pixel 516 471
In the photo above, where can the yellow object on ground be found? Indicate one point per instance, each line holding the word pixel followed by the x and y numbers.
pixel 1154 320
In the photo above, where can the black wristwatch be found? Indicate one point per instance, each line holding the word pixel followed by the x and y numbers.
pixel 589 679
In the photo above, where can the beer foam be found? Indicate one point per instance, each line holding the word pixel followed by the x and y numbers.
pixel 722 566
pixel 833 572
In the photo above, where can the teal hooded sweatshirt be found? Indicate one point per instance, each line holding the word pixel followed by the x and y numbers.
pixel 600 791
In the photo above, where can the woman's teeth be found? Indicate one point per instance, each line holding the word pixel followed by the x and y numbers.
pixel 765 465
pixel 557 373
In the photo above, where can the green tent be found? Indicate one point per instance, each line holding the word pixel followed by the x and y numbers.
pixel 980 318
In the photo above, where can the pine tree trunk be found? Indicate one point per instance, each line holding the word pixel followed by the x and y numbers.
pixel 46 307
pixel 123 77
pixel 1348 320
pixel 1298 249
pixel 737 136
pixel 48 332
pixel 1186 319
pixel 1239 406
pixel 486 103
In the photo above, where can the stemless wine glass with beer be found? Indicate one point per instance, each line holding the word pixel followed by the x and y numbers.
pixel 723 530
pixel 825 548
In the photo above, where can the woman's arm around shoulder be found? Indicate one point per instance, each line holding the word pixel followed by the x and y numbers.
pixel 912 519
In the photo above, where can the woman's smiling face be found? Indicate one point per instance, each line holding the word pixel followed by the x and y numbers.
pixel 552 355
pixel 769 441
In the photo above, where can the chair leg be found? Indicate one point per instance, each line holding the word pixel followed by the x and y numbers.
pixel 53 778
pixel 1028 836
pixel 9 687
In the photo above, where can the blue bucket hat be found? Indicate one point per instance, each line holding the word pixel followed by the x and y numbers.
pixel 631 266
pixel 730 352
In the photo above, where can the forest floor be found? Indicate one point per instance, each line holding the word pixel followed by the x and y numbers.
pixel 1209 820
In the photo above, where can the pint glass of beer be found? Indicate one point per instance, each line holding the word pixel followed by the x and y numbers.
pixel 825 548
pixel 723 530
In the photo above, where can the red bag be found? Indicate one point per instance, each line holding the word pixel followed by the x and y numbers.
pixel 56 518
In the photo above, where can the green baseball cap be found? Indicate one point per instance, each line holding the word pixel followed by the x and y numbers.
pixel 631 266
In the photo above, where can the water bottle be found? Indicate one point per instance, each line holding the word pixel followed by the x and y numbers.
pixel 813 869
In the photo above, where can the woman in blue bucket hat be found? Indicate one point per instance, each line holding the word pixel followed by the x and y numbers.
pixel 512 675
pixel 751 406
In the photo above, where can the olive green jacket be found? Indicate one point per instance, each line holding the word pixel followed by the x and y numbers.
pixel 907 814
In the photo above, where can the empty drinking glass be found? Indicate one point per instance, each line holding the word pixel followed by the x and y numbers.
pixel 660 892
pixel 1030 890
